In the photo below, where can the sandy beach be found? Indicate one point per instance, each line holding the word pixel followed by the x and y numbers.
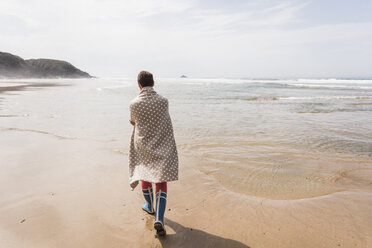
pixel 69 189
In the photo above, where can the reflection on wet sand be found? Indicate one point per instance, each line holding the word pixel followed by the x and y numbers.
pixel 27 86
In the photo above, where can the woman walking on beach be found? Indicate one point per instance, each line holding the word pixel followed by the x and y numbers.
pixel 153 154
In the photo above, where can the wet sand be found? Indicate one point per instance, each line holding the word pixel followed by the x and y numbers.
pixel 24 86
pixel 75 194
pixel 59 190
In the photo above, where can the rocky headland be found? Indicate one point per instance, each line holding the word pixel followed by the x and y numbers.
pixel 13 66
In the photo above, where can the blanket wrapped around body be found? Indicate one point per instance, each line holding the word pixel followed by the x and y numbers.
pixel 153 153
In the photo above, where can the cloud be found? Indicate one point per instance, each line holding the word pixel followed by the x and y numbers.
pixel 171 37
pixel 251 16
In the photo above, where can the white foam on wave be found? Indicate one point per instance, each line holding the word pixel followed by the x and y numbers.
pixel 311 83
pixel 326 98
pixel 335 81
pixel 333 86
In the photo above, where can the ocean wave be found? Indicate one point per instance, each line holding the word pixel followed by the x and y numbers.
pixel 356 84
pixel 327 86
pixel 336 81
pixel 349 84
pixel 327 111
pixel 327 98
pixel 295 98
pixel 261 98
pixel 113 87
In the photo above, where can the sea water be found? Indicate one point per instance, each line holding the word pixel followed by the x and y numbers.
pixel 267 137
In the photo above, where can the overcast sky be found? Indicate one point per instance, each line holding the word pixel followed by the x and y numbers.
pixel 198 38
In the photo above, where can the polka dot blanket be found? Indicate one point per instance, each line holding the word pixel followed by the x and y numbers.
pixel 153 153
